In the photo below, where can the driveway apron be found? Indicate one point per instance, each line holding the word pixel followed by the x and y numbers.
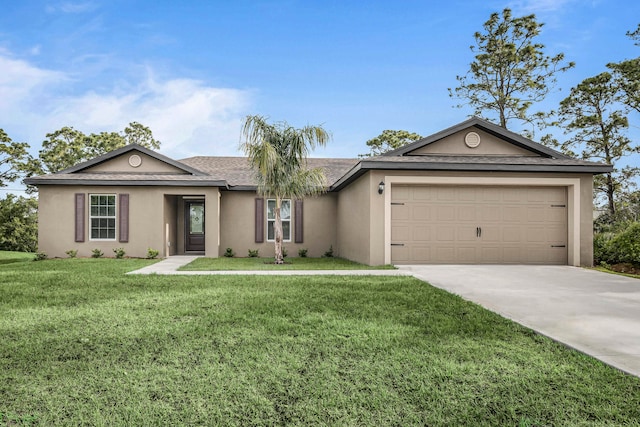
pixel 594 312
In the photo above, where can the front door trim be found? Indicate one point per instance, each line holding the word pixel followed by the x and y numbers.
pixel 193 242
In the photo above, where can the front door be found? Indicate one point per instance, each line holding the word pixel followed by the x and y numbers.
pixel 194 226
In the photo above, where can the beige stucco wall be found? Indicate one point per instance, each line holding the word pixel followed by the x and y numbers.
pixel 489 145
pixel 237 225
pixel 153 220
pixel 121 164
pixel 355 218
pixel 361 232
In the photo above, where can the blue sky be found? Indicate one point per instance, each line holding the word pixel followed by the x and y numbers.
pixel 192 70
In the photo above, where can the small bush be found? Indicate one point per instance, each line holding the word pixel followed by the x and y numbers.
pixel 152 253
pixel 39 256
pixel 302 253
pixel 119 253
pixel 602 248
pixel 285 253
pixel 72 253
pixel 96 253
pixel 229 253
pixel 625 246
pixel 253 253
pixel 329 253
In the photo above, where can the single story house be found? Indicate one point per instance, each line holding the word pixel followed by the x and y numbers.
pixel 473 193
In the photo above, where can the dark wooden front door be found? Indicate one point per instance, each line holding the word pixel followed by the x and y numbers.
pixel 194 226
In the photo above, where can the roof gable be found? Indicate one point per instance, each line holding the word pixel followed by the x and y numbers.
pixel 133 158
pixel 476 137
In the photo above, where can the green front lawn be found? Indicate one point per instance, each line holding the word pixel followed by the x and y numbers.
pixel 84 344
pixel 246 264
pixel 7 257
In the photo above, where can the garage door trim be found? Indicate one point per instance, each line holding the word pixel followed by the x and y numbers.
pixel 573 199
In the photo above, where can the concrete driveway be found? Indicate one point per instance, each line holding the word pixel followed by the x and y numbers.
pixel 596 313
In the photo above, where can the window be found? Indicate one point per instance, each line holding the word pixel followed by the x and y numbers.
pixel 102 216
pixel 285 214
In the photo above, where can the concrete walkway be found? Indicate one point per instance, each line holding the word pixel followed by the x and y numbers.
pixel 596 313
pixel 171 264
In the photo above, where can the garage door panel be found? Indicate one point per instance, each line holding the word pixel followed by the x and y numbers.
pixel 466 213
pixel 490 233
pixel 400 254
pixel 466 254
pixel 421 233
pixel 467 233
pixel 512 213
pixel 446 233
pixel 518 225
pixel 445 213
pixel 401 233
pixel 399 212
pixel 421 213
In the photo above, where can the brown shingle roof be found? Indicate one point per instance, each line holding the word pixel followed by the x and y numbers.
pixel 237 170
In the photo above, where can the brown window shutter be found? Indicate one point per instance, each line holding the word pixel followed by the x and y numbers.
pixel 123 218
pixel 79 217
pixel 259 220
pixel 298 218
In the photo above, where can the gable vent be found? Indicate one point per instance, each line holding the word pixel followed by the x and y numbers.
pixel 472 139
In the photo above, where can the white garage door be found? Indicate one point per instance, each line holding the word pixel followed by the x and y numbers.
pixel 478 225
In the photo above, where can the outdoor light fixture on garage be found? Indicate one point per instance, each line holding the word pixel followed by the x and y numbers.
pixel 381 187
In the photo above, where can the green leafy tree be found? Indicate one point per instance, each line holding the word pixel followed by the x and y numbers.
pixel 62 149
pixel 389 140
pixel 15 160
pixel 510 72
pixel 627 76
pixel 278 154
pixel 67 147
pixel 590 114
pixel 18 223
pixel 137 133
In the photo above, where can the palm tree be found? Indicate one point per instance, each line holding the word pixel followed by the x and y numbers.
pixel 278 153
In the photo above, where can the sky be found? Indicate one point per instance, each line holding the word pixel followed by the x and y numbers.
pixel 193 70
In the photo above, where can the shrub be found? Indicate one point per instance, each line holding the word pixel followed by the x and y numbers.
pixel 302 253
pixel 229 253
pixel 39 256
pixel 602 248
pixel 119 253
pixel 284 252
pixel 72 253
pixel 152 253
pixel 253 253
pixel 96 253
pixel 329 253
pixel 625 246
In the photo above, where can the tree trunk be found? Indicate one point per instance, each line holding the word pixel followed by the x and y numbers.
pixel 277 228
pixel 610 196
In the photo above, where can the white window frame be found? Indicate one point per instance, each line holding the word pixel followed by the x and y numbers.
pixel 272 220
pixel 114 217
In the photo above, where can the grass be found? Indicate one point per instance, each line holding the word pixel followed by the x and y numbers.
pixel 247 264
pixel 84 344
pixel 8 257
pixel 607 270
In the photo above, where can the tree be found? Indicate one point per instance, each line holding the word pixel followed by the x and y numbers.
pixel 137 133
pixel 67 147
pixel 278 154
pixel 589 112
pixel 15 160
pixel 510 71
pixel 389 140
pixel 18 223
pixel 627 76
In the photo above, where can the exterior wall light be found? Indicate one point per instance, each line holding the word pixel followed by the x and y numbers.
pixel 381 187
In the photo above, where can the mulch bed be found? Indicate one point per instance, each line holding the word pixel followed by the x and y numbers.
pixel 625 268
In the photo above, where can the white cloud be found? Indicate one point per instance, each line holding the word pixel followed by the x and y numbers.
pixel 187 116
